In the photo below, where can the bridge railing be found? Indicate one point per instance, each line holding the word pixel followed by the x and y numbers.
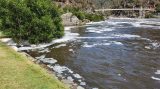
pixel 126 9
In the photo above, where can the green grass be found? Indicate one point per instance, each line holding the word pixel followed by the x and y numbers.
pixel 17 72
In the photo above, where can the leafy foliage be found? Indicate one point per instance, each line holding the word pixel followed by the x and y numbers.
pixel 94 17
pixel 149 15
pixel 158 8
pixel 33 20
pixel 82 15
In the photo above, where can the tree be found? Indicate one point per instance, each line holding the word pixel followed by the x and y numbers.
pixel 36 21
pixel 158 8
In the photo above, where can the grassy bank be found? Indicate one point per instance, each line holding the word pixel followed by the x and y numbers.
pixel 17 72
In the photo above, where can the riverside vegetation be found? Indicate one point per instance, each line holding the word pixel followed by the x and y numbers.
pixel 82 15
pixel 37 21
pixel 33 20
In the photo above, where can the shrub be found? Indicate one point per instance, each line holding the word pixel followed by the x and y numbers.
pixel 80 15
pixel 158 8
pixel 94 17
pixel 36 21
pixel 149 15
pixel 83 15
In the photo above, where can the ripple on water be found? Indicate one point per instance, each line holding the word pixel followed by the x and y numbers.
pixel 87 45
pixel 156 78
pixel 98 29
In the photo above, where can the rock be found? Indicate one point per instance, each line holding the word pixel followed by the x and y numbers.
pixel 70 78
pixel 40 57
pixel 61 45
pixel 84 21
pixel 70 71
pixel 94 88
pixel 147 47
pixel 69 19
pixel 77 76
pixel 48 60
pixel 71 50
pixel 83 83
pixel 59 75
pixel 25 44
pixel 119 75
pixel 79 80
pixel 8 41
pixel 15 48
pixel 49 66
pixel 44 50
pixel 67 81
pixel 5 39
pixel 37 62
pixel 79 87
pixel 158 72
pixel 59 69
pixel 33 45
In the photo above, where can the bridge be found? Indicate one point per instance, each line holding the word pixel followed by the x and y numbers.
pixel 126 9
pixel 141 10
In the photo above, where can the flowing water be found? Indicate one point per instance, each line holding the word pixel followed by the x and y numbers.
pixel 112 54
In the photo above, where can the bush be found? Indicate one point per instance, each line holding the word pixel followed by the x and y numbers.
pixel 70 9
pixel 80 15
pixel 94 17
pixel 36 21
pixel 76 11
pixel 149 15
pixel 83 15
pixel 158 8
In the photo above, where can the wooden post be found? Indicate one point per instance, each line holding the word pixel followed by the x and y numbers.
pixel 141 12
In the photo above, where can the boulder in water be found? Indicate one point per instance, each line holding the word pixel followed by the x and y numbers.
pixel 69 19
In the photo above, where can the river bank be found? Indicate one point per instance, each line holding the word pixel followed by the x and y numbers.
pixel 63 73
pixel 17 71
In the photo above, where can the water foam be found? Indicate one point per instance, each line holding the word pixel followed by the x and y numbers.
pixel 61 45
pixel 126 36
pixel 86 45
pixel 95 23
pixel 155 78
pixel 157 72
pixel 99 29
pixel 112 36
pixel 67 37
pixel 155 45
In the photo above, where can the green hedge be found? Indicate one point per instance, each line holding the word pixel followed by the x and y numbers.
pixel 34 20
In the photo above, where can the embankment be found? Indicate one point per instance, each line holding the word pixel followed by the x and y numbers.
pixel 17 72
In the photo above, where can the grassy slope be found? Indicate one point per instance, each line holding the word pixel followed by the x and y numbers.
pixel 17 72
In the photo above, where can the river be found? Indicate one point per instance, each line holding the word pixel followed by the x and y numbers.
pixel 112 54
